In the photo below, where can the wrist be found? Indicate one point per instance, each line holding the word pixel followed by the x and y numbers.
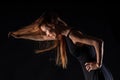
pixel 98 65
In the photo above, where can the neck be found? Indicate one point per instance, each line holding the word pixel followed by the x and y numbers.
pixel 65 32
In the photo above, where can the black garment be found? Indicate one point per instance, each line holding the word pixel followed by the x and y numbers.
pixel 84 54
pixel 43 67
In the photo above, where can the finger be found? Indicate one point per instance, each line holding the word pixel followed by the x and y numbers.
pixel 90 68
pixel 86 63
pixel 87 67
pixel 9 34
pixel 13 35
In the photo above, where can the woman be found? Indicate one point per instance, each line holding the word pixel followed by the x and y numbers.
pixel 50 27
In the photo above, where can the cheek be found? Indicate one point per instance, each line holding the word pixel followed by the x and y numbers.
pixel 43 29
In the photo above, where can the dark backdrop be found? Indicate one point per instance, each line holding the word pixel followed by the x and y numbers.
pixel 93 18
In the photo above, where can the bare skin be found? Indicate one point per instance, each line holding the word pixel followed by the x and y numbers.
pixel 77 37
pixel 32 32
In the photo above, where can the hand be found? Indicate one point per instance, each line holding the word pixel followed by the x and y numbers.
pixel 9 34
pixel 91 66
pixel 12 34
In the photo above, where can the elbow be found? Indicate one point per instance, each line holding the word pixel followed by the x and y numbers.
pixel 101 42
pixel 98 42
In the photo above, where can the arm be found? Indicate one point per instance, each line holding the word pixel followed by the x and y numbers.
pixel 34 36
pixel 31 32
pixel 77 37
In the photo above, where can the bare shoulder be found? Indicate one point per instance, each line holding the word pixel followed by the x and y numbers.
pixel 77 36
pixel 74 33
pixel 70 31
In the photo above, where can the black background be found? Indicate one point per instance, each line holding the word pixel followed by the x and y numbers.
pixel 93 18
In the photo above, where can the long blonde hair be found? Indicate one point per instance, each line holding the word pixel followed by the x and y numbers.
pixel 61 59
pixel 60 44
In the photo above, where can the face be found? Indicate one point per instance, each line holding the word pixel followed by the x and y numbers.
pixel 49 30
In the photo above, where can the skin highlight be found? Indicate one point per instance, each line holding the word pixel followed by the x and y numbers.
pixel 55 32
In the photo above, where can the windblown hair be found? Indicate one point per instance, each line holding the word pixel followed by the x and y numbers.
pixel 53 19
